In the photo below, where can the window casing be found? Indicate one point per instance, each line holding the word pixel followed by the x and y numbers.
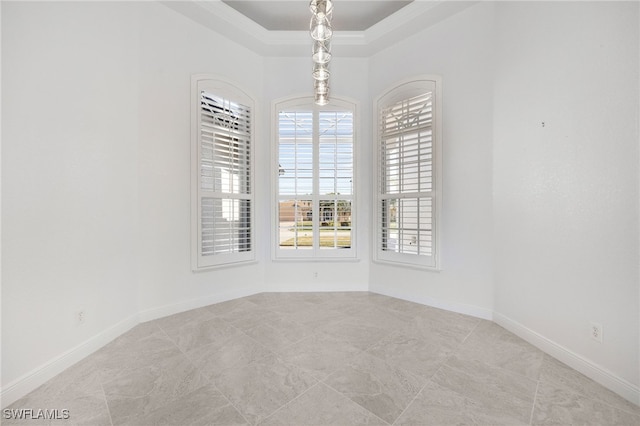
pixel 222 199
pixel 408 173
pixel 314 172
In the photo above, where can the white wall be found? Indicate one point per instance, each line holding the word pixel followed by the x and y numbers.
pixel 566 194
pixel 172 48
pixel 460 49
pixel 69 177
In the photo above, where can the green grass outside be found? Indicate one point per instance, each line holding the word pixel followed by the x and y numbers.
pixel 325 241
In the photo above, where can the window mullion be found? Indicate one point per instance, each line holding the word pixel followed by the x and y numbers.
pixel 318 158
pixel 316 181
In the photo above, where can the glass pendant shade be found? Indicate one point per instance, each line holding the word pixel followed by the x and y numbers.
pixel 321 71
pixel 320 28
pixel 321 8
pixel 321 53
pixel 321 32
pixel 321 87
pixel 321 98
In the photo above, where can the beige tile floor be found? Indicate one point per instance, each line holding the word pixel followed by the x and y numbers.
pixel 325 359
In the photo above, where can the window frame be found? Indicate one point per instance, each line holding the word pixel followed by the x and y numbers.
pixel 229 91
pixel 403 91
pixel 306 103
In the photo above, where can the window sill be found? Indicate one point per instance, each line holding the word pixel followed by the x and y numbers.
pixel 436 269
pixel 317 259
pixel 224 265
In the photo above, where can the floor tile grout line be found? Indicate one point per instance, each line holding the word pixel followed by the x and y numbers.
pixel 279 352
pixel 104 394
pixel 355 402
pixel 100 377
pixel 412 401
pixel 292 400
pixel 593 399
pixel 348 342
pixel 280 355
pixel 487 364
pixel 470 333
pixel 364 408
pixel 276 352
pixel 411 373
pixel 270 351
pixel 420 391
pixel 179 348
pixel 364 351
pixel 230 402
pixel 533 406
pixel 507 371
pixel 239 330
pixel 209 381
pixel 387 334
pixel 106 403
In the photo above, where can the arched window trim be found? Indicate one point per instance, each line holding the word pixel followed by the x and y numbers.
pixel 222 170
pixel 344 205
pixel 408 173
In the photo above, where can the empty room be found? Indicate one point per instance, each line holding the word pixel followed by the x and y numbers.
pixel 320 212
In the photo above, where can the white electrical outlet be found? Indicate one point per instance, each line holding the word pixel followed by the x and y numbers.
pixel 596 332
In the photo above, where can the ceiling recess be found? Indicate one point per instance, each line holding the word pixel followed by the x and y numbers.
pixel 281 28
pixel 294 15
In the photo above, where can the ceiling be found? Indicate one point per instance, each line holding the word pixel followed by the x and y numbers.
pixel 294 15
pixel 281 28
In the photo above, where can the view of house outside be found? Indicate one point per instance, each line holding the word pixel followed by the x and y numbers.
pixel 325 169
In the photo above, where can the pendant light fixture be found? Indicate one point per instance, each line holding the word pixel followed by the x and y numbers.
pixel 321 32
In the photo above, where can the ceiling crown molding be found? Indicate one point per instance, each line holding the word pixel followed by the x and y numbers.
pixel 223 19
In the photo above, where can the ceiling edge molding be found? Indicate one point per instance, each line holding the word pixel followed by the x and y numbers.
pixel 411 19
pixel 225 20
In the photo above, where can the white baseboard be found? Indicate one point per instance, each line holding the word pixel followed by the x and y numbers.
pixel 175 308
pixel 461 308
pixel 600 375
pixel 38 376
pixel 315 287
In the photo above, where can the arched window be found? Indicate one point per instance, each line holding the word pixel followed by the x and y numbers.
pixel 221 173
pixel 408 181
pixel 314 179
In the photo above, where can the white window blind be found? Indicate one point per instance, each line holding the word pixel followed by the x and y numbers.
pixel 407 196
pixel 223 163
pixel 315 167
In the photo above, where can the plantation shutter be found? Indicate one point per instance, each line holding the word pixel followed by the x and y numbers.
pixel 224 167
pixel 315 185
pixel 406 187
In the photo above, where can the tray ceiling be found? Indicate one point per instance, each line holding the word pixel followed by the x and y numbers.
pixel 294 15
pixel 280 28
